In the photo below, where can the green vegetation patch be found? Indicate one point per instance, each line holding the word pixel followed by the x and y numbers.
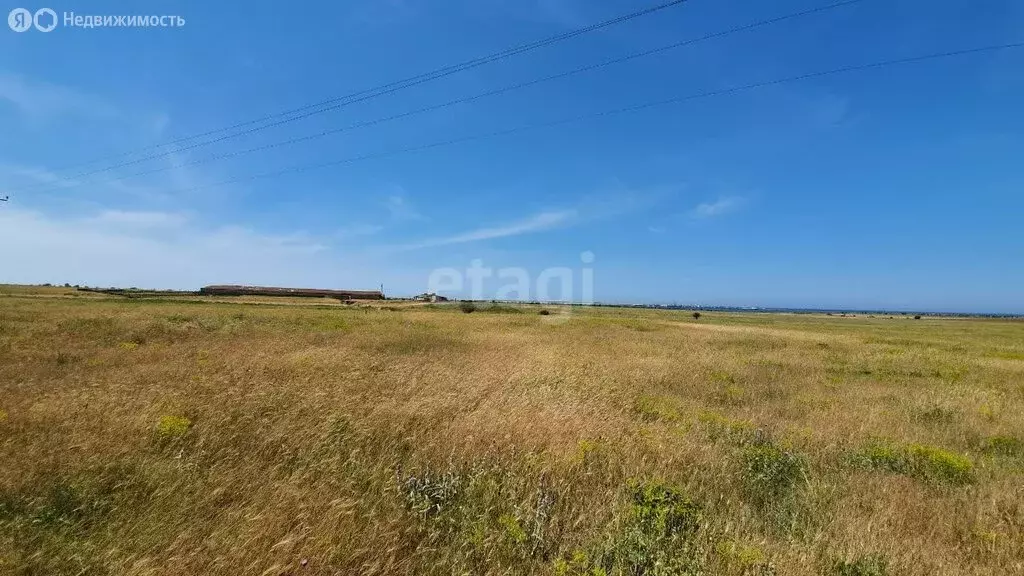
pixel 745 559
pixel 59 524
pixel 655 408
pixel 172 427
pixel 929 463
pixel 480 512
pixel 656 533
pixel 940 465
pixel 772 475
pixel 1002 445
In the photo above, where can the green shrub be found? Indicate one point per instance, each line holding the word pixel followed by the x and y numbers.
pixel 467 307
pixel 928 463
pixel 871 565
pixel 880 456
pixel 771 474
pixel 940 465
pixel 1001 445
pixel 656 535
pixel 172 427
pixel 663 511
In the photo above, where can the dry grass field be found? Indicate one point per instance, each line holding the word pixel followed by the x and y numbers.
pixel 180 436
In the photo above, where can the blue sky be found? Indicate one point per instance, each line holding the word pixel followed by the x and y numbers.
pixel 891 188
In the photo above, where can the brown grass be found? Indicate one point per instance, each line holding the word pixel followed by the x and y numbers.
pixel 192 437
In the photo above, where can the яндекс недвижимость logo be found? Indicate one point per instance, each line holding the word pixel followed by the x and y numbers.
pixel 45 20
pixel 21 19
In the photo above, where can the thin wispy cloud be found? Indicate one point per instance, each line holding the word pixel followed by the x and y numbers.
pixel 140 219
pixel 535 223
pixel 719 207
pixel 14 177
pixel 42 100
pixel 401 209
pixel 91 251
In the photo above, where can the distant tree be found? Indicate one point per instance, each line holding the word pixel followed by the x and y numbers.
pixel 696 315
pixel 917 317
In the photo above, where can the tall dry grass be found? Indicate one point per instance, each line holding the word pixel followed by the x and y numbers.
pixel 183 437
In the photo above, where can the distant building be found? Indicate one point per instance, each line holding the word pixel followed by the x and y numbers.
pixel 430 297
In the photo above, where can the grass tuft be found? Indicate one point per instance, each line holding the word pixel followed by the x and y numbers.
pixel 171 427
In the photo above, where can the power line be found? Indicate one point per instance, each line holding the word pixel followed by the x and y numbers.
pixel 341 101
pixel 605 113
pixel 467 99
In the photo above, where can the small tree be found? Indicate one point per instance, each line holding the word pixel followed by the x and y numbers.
pixel 696 315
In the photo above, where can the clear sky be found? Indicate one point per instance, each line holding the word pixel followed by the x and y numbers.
pixel 897 187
